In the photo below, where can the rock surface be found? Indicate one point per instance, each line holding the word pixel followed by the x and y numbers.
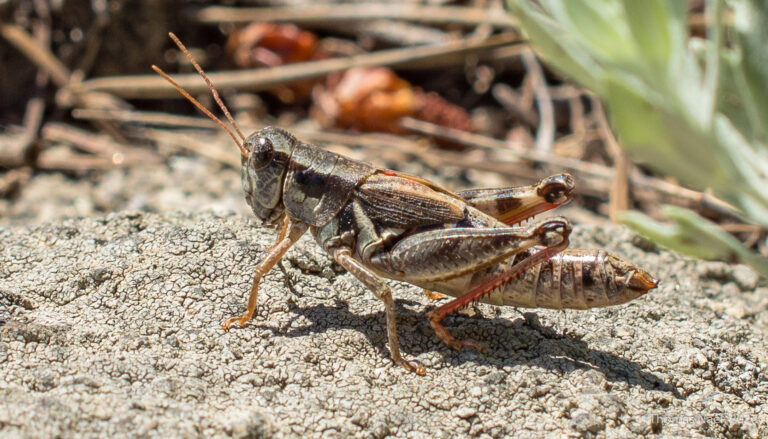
pixel 109 327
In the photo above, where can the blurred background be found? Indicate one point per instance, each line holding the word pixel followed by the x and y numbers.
pixel 658 109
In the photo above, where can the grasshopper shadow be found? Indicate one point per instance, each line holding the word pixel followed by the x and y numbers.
pixel 531 343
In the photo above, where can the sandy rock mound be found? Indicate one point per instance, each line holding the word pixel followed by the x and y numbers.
pixel 110 327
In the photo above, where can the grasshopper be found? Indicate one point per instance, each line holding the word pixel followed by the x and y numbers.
pixel 378 223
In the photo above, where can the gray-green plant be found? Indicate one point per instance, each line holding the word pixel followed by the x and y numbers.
pixel 695 109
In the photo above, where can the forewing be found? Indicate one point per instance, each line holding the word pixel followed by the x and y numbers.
pixel 394 201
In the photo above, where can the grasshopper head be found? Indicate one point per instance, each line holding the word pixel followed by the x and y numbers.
pixel 263 170
pixel 264 154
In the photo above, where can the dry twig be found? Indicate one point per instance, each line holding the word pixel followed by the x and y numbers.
pixel 505 166
pixel 510 100
pixel 182 141
pixel 545 134
pixel 349 12
pixel 619 196
pixel 143 118
pixel 691 198
pixel 38 54
pixel 15 149
pixel 41 56
pixel 105 153
pixel 154 87
pixel 12 181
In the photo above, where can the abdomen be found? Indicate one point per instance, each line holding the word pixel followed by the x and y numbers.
pixel 574 278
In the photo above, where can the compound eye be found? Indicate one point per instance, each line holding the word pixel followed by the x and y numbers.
pixel 554 193
pixel 261 153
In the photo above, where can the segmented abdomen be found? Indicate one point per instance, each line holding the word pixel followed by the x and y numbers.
pixel 574 278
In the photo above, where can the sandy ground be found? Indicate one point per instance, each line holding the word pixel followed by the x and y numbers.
pixel 109 326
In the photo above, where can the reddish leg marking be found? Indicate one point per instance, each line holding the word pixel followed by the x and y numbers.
pixel 437 315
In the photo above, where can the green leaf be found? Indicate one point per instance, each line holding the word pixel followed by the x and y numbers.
pixel 657 136
pixel 692 109
pixel 749 167
pixel 693 235
pixel 556 47
pixel 658 28
pixel 668 235
pixel 731 100
pixel 750 18
pixel 599 25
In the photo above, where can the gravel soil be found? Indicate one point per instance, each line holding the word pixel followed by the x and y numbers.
pixel 110 326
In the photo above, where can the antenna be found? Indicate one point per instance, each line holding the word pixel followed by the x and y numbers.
pixel 158 70
pixel 207 81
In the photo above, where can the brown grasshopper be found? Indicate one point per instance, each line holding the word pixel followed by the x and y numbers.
pixel 378 224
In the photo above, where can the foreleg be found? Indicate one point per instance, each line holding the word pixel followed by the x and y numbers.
pixel 290 232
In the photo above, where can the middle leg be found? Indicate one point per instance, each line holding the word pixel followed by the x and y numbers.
pixel 382 291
